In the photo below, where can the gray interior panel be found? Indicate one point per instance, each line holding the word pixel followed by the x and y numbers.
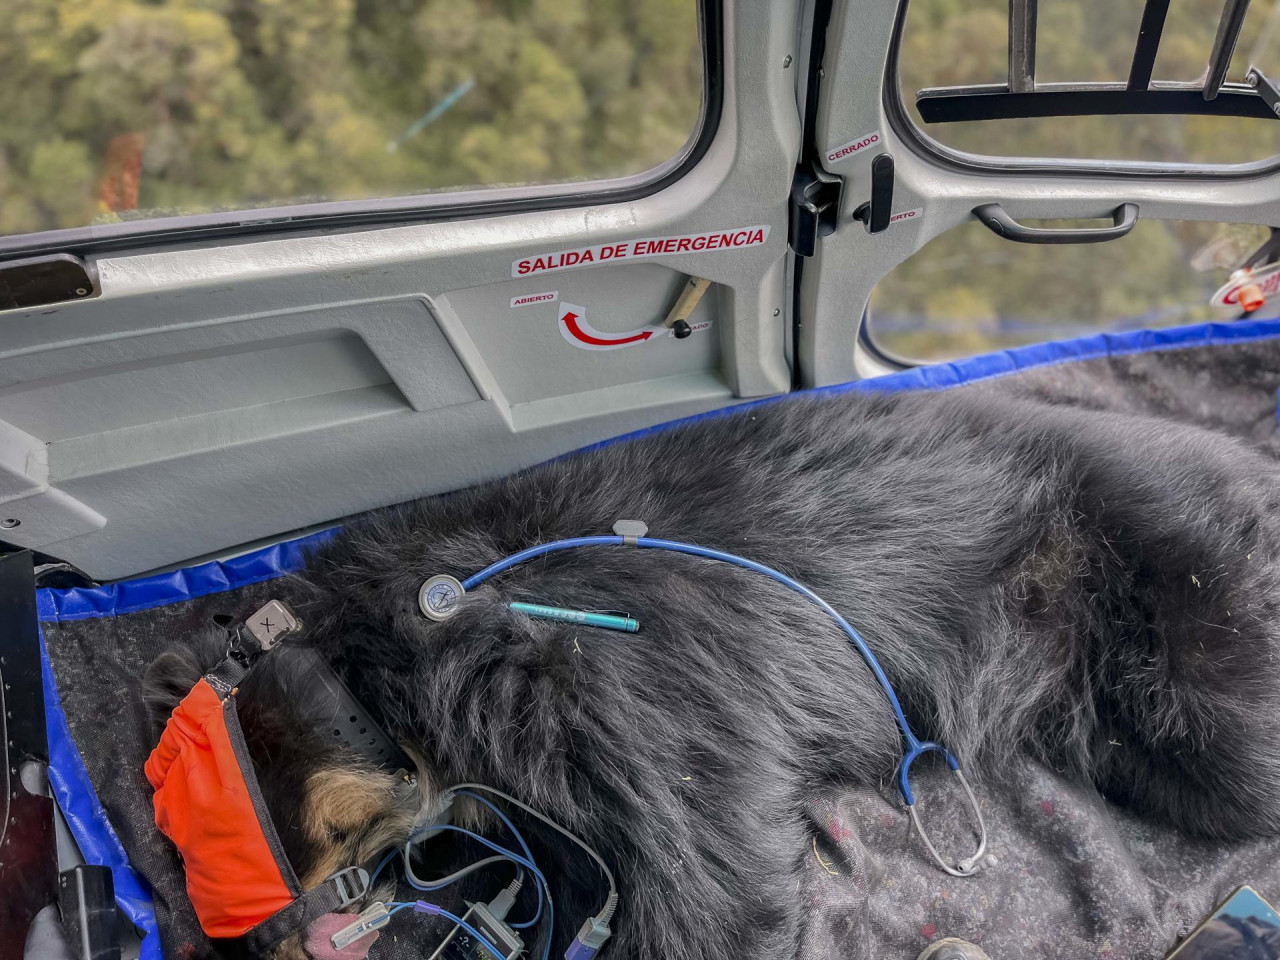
pixel 215 395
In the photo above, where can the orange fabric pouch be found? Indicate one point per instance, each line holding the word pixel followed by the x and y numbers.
pixel 207 802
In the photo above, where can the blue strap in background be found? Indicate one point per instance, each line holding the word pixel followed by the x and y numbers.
pixel 72 788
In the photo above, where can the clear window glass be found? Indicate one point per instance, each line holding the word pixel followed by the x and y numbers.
pixel 124 109
pixel 945 44
pixel 970 291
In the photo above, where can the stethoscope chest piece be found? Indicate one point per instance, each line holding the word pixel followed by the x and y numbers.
pixel 439 595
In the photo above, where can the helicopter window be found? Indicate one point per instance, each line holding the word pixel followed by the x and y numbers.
pixel 126 110
pixel 970 291
pixel 1165 81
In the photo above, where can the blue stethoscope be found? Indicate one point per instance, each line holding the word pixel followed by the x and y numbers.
pixel 439 596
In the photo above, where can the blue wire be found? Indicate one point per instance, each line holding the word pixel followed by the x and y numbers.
pixel 537 915
pixel 502 851
pixel 383 865
pixel 808 594
pixel 515 858
pixel 914 745
pixel 541 550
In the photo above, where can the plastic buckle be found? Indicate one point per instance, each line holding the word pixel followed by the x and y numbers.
pixel 270 622
pixel 351 884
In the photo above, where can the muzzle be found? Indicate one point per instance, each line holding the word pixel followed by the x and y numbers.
pixel 209 803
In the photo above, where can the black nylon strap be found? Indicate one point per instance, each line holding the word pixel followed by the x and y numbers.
pixel 226 675
pixel 324 699
pixel 341 890
pixel 316 690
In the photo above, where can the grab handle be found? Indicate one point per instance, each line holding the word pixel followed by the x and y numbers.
pixel 999 222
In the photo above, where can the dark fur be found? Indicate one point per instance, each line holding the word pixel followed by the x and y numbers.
pixel 1096 591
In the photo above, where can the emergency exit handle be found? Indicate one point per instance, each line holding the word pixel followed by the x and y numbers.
pixel 875 213
pixel 992 214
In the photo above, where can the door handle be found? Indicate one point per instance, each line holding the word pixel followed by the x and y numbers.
pixel 999 222
pixel 875 213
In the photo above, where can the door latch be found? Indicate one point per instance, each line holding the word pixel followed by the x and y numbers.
pixel 37 281
pixel 815 206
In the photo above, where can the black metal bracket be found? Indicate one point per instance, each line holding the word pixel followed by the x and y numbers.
pixel 815 194
pixel 815 208
pixel 1224 44
pixel 1148 45
pixel 995 102
pixel 1266 89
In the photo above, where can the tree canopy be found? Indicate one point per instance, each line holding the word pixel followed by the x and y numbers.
pixel 125 108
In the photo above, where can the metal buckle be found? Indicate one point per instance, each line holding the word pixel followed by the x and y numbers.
pixel 351 884
pixel 271 622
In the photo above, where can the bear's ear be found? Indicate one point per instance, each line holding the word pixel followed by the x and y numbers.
pixel 170 677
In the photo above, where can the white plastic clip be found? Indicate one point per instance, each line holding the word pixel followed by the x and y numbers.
pixel 630 531
pixel 374 917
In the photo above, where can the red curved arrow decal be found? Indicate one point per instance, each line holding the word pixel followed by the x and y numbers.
pixel 570 320
pixel 577 330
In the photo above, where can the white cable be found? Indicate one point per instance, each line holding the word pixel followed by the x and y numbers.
pixel 612 901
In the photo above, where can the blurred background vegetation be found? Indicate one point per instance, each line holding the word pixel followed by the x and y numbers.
pixel 124 108
pixel 968 290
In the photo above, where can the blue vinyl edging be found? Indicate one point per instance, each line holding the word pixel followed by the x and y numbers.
pixel 72 788
pixel 941 376
pixel 88 822
pixel 990 366
pixel 163 589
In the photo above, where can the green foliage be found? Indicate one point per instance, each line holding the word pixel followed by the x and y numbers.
pixel 243 103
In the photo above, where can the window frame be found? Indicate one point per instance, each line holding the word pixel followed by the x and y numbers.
pixel 384 212
pixel 1268 253
pixel 867 343
pixel 936 152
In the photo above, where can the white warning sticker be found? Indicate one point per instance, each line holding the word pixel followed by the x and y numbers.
pixel 857 145
pixel 906 215
pixel 575 329
pixel 529 299
pixel 735 238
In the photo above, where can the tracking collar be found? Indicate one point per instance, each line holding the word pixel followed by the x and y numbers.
pixel 209 803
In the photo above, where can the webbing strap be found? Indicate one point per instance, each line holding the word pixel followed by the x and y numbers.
pixel 341 890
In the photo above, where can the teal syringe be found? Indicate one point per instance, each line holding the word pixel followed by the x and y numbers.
pixel 605 620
